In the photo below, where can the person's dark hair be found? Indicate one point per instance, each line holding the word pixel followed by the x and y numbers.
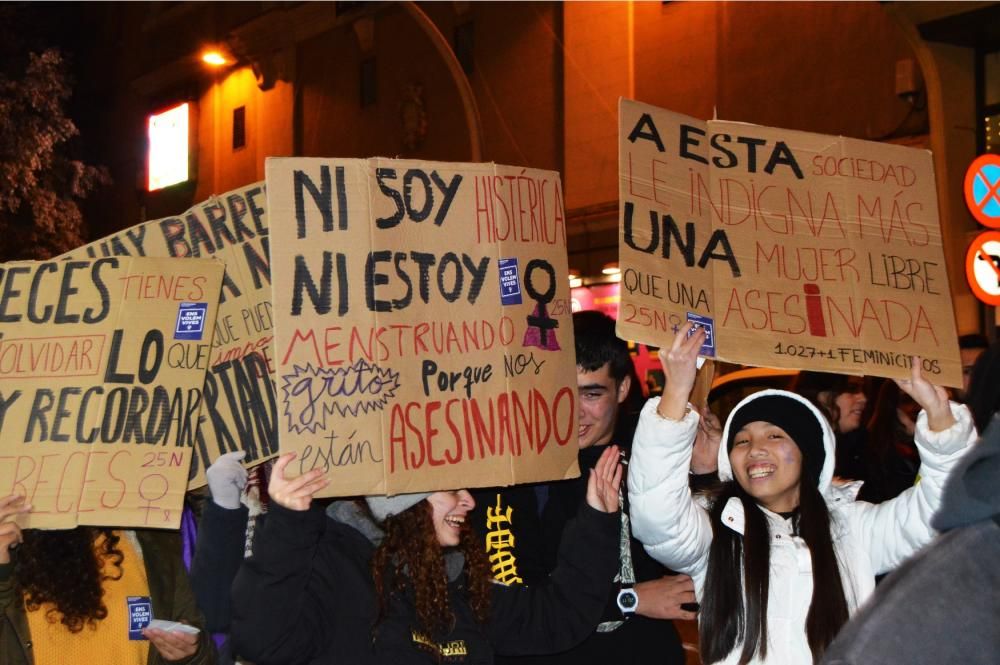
pixel 812 384
pixel 973 341
pixel 410 558
pixel 64 568
pixel 628 411
pixel 597 344
pixel 983 398
pixel 737 563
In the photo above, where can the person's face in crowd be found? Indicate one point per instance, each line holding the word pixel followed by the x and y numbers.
pixel 969 358
pixel 599 397
pixel 767 464
pixel 448 512
pixel 851 404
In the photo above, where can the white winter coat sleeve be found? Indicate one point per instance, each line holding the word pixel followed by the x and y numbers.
pixel 893 530
pixel 674 529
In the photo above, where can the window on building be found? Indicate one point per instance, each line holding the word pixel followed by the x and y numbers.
pixel 991 133
pixel 368 83
pixel 988 99
pixel 239 127
pixel 169 138
pixel 989 68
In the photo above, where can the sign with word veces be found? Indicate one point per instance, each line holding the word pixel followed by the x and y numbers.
pixel 239 410
pixel 793 250
pixel 98 424
pixel 423 331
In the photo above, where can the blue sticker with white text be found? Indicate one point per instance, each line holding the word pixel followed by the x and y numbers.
pixel 510 283
pixel 140 613
pixel 191 321
pixel 699 321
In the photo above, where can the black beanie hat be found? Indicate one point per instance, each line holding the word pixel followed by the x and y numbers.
pixel 791 415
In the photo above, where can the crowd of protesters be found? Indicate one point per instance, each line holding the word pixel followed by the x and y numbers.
pixel 769 525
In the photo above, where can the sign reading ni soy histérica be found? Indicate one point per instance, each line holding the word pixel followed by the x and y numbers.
pixel 423 330
pixel 792 249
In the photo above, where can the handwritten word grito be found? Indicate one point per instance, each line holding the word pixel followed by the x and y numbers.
pixel 312 394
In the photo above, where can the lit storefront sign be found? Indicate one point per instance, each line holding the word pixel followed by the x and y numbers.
pixel 605 298
pixel 168 147
pixel 602 297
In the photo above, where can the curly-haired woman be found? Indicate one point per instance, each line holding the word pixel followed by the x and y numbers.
pixel 66 596
pixel 403 580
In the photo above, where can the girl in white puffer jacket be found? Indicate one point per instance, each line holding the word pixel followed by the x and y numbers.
pixel 780 556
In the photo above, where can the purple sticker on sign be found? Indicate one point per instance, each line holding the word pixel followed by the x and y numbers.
pixel 191 321
pixel 699 321
pixel 510 283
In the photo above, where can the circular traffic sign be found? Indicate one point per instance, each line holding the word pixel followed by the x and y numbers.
pixel 982 190
pixel 982 267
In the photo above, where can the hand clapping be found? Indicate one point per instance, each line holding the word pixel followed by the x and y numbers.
pixel 604 481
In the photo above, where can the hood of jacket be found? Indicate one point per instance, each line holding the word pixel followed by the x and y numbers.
pixel 971 494
pixel 349 513
pixel 829 440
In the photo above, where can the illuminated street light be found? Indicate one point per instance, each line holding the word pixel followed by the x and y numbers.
pixel 214 58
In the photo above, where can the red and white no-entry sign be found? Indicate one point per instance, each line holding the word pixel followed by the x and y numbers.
pixel 982 267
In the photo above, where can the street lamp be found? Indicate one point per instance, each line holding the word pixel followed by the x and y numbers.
pixel 214 58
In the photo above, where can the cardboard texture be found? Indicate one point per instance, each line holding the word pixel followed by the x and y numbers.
pixel 100 390
pixel 239 411
pixel 423 332
pixel 796 250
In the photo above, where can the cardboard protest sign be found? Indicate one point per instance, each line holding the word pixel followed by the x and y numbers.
pixel 239 411
pixel 423 331
pixel 99 395
pixel 794 250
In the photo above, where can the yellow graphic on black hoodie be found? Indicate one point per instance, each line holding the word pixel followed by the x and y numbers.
pixel 500 543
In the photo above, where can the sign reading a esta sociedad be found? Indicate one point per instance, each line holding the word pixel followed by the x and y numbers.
pixel 793 250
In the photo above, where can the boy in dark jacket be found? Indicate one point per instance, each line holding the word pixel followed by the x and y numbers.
pixel 635 625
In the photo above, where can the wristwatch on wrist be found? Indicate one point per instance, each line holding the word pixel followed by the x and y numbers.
pixel 628 600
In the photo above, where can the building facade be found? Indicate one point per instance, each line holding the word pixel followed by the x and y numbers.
pixel 533 84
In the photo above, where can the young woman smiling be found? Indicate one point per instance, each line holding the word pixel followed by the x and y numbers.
pixel 403 580
pixel 779 555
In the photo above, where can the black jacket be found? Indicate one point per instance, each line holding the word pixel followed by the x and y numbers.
pixel 217 558
pixel 306 596
pixel 513 510
pixel 639 640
